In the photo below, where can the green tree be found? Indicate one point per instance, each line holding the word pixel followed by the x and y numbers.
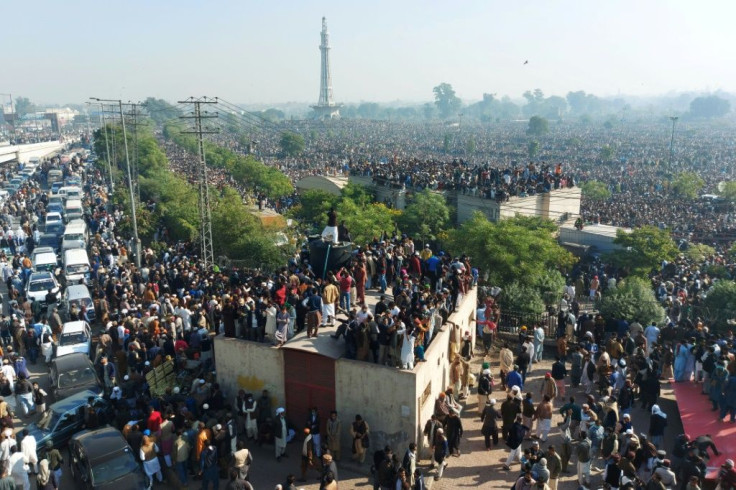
pixel 291 143
pixel 709 106
pixel 515 249
pixel 23 106
pixel 633 300
pixel 273 115
pixel 471 145
pixel 314 206
pixel 161 111
pixel 446 101
pixel 359 194
pixel 365 222
pixel 532 148
pixel 595 190
pixel 721 303
pixel 521 299
pixel 426 216
pixel 698 252
pixel 687 185
pixel 230 220
pixel 728 191
pixel 538 126
pixel 260 250
pixel 607 152
pixel 643 249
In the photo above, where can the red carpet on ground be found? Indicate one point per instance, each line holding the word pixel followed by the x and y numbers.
pixel 698 419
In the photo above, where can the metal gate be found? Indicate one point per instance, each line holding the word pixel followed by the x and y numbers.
pixel 309 382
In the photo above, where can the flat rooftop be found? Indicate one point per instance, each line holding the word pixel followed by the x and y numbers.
pixel 600 230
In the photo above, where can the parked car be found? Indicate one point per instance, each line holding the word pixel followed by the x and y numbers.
pixel 64 418
pixel 55 228
pixel 53 218
pixel 38 285
pixel 50 240
pixel 71 374
pixel 102 459
pixel 75 336
pixel 77 294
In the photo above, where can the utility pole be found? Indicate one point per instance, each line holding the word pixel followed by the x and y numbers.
pixel 134 113
pixel 672 140
pixel 205 215
pixel 137 241
pixel 107 149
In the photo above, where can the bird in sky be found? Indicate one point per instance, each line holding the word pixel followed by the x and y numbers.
pixel 526 62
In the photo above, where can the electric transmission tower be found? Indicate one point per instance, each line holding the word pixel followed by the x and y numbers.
pixel 205 215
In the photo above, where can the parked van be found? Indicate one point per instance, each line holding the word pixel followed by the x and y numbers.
pixel 73 209
pixel 70 192
pixel 76 266
pixel 44 259
pixel 75 235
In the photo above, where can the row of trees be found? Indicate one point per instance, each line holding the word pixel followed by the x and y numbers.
pixel 240 235
pixel 245 169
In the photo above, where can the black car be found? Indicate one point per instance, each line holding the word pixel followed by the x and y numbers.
pixel 102 459
pixel 72 373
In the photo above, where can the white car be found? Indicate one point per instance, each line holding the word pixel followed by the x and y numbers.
pixel 38 286
pixel 75 337
pixel 53 218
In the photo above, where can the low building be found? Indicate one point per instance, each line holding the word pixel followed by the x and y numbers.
pixel 309 372
pixel 332 185
pixel 594 238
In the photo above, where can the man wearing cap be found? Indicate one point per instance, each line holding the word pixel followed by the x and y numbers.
pixel 485 386
pixel 516 435
pixel 664 470
pixel 55 460
pixel 549 387
pixel 281 432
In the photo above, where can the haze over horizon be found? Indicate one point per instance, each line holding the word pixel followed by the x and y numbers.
pixel 267 53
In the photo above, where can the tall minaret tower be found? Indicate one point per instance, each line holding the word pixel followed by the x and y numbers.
pixel 326 107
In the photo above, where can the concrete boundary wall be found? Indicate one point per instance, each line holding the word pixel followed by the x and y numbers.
pixel 383 396
pixel 250 366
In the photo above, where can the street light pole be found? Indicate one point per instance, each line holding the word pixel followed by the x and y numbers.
pixel 672 139
pixel 103 127
pixel 137 243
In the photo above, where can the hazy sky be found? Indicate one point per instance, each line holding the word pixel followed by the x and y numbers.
pixel 266 52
